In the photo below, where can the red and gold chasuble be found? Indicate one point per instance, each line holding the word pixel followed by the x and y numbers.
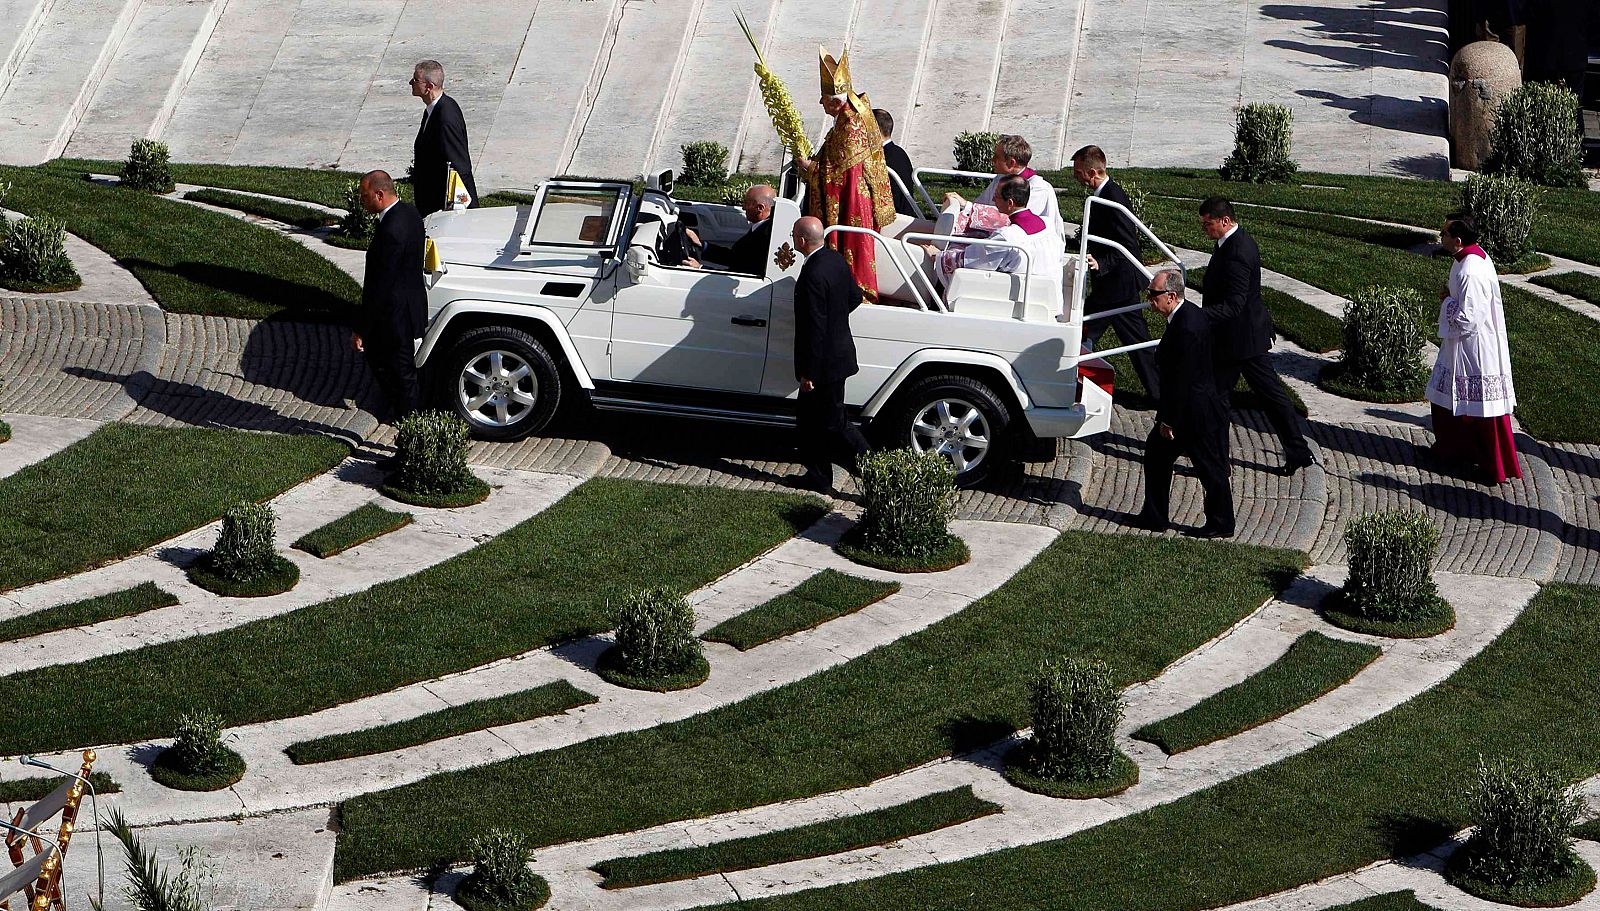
pixel 850 186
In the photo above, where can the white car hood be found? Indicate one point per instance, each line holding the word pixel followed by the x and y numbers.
pixel 480 237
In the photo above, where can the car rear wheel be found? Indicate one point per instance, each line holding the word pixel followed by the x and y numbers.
pixel 502 382
pixel 958 417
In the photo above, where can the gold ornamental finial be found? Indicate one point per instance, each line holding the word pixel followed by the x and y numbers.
pixel 835 73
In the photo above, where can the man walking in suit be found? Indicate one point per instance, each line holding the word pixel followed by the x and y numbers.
pixel 1117 282
pixel 824 356
pixel 394 299
pixel 1242 328
pixel 441 141
pixel 899 162
pixel 1192 419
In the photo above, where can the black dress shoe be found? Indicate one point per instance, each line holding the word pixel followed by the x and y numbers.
pixel 1210 531
pixel 1149 523
pixel 1293 466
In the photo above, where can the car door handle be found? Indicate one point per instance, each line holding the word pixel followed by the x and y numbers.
pixel 749 321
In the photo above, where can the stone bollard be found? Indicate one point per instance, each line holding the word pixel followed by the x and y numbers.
pixel 1481 76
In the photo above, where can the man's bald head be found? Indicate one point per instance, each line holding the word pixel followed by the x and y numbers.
pixel 808 234
pixel 758 203
pixel 377 191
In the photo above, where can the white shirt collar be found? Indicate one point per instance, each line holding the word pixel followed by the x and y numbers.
pixel 387 208
pixel 1224 238
pixel 427 111
pixel 1101 187
pixel 1175 310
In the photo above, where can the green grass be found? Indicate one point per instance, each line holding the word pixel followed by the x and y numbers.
pixel 136 600
pixel 288 213
pixel 28 790
pixel 828 595
pixel 1313 665
pixel 835 836
pixel 955 686
pixel 1391 787
pixel 1589 831
pixel 1296 320
pixel 550 579
pixel 1437 617
pixel 479 715
pixel 1576 881
pixel 190 260
pixel 167 771
pixel 282 575
pixel 124 488
pixel 324 187
pixel 1575 284
pixel 1389 901
pixel 351 530
pixel 1019 766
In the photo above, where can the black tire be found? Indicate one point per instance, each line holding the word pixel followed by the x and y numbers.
pixel 521 403
pixel 896 427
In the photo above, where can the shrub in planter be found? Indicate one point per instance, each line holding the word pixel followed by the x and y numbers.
pixel 245 563
pixel 500 879
pixel 198 760
pixel 1504 207
pixel 1138 202
pixel 975 151
pixel 1263 136
pixel 656 648
pixel 705 164
pixel 908 500
pixel 358 225
pixel 733 192
pixel 1383 336
pixel 1076 708
pixel 1390 589
pixel 1520 851
pixel 431 462
pixel 1535 136
pixel 33 256
pixel 149 167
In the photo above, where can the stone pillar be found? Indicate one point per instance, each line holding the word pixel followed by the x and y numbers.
pixel 1481 74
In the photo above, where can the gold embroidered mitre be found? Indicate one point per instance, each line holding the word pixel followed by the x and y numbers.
pixel 835 73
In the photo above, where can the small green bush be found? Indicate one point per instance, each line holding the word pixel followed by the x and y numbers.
pixel 1138 204
pixel 1524 818
pixel 1536 136
pixel 733 192
pixel 149 167
pixel 975 151
pixel 908 500
pixel 655 634
pixel 197 743
pixel 1383 336
pixel 1263 137
pixel 431 450
pixel 358 223
pixel 1076 708
pixel 244 548
pixel 500 871
pixel 33 252
pixel 1504 207
pixel 705 164
pixel 1391 566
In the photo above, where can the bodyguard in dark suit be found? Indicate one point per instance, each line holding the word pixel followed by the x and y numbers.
pixel 1192 419
pixel 394 298
pixel 1116 282
pixel 441 141
pixel 824 356
pixel 898 162
pixel 1242 329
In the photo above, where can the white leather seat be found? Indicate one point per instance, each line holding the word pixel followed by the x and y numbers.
pixel 978 292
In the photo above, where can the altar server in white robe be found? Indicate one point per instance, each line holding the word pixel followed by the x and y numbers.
pixel 1026 229
pixel 1470 390
pixel 1011 157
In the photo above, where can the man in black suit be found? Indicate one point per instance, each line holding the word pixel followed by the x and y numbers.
pixel 824 356
pixel 748 254
pixel 898 162
pixel 1117 282
pixel 394 298
pixel 441 141
pixel 1192 419
pixel 1242 329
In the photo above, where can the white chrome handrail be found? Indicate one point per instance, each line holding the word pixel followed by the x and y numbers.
pixel 1027 255
pixel 916 175
pixel 888 249
pixel 1083 262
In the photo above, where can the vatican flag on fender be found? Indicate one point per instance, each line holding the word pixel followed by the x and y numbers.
pixel 430 256
pixel 456 190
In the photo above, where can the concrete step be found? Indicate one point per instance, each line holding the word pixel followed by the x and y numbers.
pixel 161 48
pixel 22 18
pixel 887 50
pixel 637 82
pixel 227 79
pixel 958 78
pixel 57 75
pixel 718 82
pixel 790 46
pixel 1037 62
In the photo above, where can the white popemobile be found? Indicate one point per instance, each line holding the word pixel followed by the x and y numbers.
pixel 575 295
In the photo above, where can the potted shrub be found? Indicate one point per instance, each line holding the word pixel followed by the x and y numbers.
pixel 908 500
pixel 1382 358
pixel 705 164
pixel 1504 207
pixel 1390 590
pixel 1075 708
pixel 1263 136
pixel 431 462
pixel 245 562
pixel 500 879
pixel 148 168
pixel 656 648
pixel 1520 851
pixel 198 760
pixel 33 256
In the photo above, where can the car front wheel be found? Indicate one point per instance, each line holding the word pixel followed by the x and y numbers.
pixel 960 418
pixel 502 382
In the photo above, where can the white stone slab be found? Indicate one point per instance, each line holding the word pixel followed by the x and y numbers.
pixel 718 83
pixel 959 74
pixel 232 72
pixel 790 46
pixel 55 77
pixel 1037 66
pixel 888 45
pixel 35 438
pixel 23 19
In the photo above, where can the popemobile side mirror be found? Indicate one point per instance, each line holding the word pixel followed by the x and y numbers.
pixel 636 259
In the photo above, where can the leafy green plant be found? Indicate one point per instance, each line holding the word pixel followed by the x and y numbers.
pixel 431 452
pixel 5 190
pixel 975 151
pixel 705 164
pixel 500 877
pixel 1536 136
pixel 1075 708
pixel 1391 565
pixel 357 225
pixel 733 192
pixel 1524 818
pixel 1263 136
pixel 1383 336
pixel 244 548
pixel 1504 206
pixel 152 887
pixel 655 634
pixel 908 500
pixel 149 167
pixel 33 255
pixel 1138 204
pixel 197 743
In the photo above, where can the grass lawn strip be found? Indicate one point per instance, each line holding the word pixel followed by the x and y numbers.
pixel 1390 787
pixel 288 213
pixel 826 596
pixel 1589 830
pixel 549 699
pixel 1573 284
pixel 552 578
pixel 28 790
pixel 136 600
pixel 316 185
pixel 189 259
pixel 835 836
pixel 125 487
pixel 957 685
pixel 352 530
pixel 1296 320
pixel 1313 665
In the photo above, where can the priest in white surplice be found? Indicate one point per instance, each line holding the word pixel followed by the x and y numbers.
pixel 1011 157
pixel 1470 388
pixel 1025 229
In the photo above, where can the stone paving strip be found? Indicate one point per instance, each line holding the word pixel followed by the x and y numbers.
pixel 35 438
pixel 1486 607
pixel 435 536
pixel 1576 467
pixel 57 352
